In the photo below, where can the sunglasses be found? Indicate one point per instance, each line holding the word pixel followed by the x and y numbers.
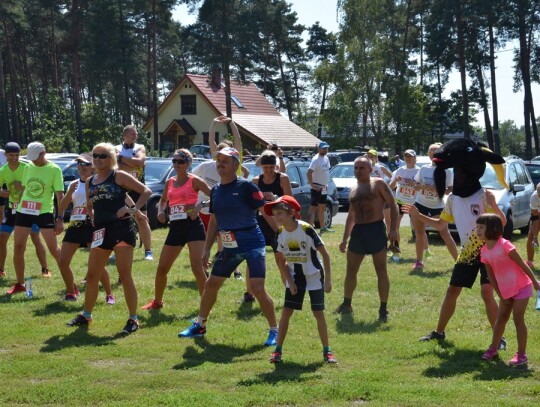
pixel 83 164
pixel 102 156
pixel 176 161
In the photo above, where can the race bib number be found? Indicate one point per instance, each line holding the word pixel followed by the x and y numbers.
pixel 430 195
pixel 14 206
pixel 97 238
pixel 134 174
pixel 177 212
pixel 78 213
pixel 228 239
pixel 407 192
pixel 31 208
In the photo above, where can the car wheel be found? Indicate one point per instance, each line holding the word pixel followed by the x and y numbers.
pixel 327 217
pixel 524 230
pixel 509 227
pixel 151 212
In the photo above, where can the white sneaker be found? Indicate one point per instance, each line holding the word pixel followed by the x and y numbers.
pixel 148 255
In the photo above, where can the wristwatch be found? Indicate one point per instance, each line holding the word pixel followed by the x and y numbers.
pixel 60 218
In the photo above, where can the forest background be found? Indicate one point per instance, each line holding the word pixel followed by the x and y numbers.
pixel 73 73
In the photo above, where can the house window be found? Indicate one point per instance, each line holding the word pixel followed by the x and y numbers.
pixel 189 105
pixel 206 138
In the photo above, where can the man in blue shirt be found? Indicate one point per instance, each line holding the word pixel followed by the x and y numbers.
pixel 233 206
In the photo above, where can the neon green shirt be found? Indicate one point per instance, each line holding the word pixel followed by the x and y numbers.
pixel 40 184
pixel 8 177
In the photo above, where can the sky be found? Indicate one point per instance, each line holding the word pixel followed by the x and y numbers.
pixel 324 11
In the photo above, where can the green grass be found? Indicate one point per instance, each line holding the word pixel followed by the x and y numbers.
pixel 45 362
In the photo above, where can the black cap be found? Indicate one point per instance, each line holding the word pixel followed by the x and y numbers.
pixel 12 147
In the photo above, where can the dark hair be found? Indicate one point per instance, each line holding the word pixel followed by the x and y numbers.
pixel 494 226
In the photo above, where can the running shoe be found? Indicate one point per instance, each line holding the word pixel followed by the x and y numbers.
pixel 2 273
pixel 344 309
pixel 112 259
pixel 433 335
pixel 418 265
pixel 132 325
pixel 148 255
pixel 153 305
pixel 247 298
pixel 329 357
pixel 238 275
pixel 276 357
pixel 17 288
pixel 272 338
pixel 79 320
pixel 530 264
pixel 383 316
pixel 45 273
pixel 519 359
pixel 325 229
pixel 110 300
pixel 502 344
pixel 70 297
pixel 490 354
pixel 194 331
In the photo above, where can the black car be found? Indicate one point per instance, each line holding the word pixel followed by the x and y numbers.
pixel 297 172
pixel 534 171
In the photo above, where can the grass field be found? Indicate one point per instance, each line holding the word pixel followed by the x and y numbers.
pixel 43 362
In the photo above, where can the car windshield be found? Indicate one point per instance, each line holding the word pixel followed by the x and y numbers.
pixel 155 170
pixel 489 179
pixel 342 171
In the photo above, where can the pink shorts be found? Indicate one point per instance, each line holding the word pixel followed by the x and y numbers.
pixel 525 292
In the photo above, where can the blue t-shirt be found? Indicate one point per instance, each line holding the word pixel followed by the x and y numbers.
pixel 235 206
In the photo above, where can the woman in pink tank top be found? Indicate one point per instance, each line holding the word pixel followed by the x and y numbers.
pixel 185 226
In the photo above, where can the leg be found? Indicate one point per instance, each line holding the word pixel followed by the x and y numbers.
pixel 40 249
pixel 144 230
pixel 421 239
pixel 265 301
pixel 520 306
pixel 284 325
pixel 492 309
pixel 321 327
pixel 448 307
pixel 106 282
pixel 124 261
pixel 4 237
pixel 52 244
pixel 531 237
pixel 96 263
pixel 312 210
pixel 353 265
pixel 67 251
pixel 450 243
pixel 383 283
pixel 249 290
pixel 320 215
pixel 505 309
pixel 20 237
pixel 209 297
pixel 195 257
pixel 167 258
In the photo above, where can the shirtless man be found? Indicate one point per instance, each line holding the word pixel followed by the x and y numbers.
pixel 368 236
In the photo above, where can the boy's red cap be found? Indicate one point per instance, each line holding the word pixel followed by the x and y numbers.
pixel 287 200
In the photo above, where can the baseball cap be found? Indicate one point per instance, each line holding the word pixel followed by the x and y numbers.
pixel 12 147
pixel 410 152
pixel 324 144
pixel 34 150
pixel 285 199
pixel 373 152
pixel 230 152
pixel 84 157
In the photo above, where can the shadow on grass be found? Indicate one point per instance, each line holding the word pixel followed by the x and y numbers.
pixel 191 285
pixel 214 353
pixel 345 324
pixel 284 372
pixel 156 317
pixel 427 274
pixel 463 361
pixel 57 307
pixel 247 310
pixel 77 338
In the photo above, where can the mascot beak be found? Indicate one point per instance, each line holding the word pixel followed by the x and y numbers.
pixel 499 170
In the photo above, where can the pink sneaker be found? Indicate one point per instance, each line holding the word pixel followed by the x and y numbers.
pixel 418 265
pixel 110 300
pixel 490 354
pixel 519 359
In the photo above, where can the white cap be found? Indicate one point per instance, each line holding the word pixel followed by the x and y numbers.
pixel 34 150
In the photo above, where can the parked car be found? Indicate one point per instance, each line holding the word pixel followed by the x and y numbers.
pixel 297 172
pixel 334 158
pixel 343 176
pixel 534 170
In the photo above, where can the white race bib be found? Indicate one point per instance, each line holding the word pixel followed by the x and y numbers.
pixel 78 213
pixel 97 238
pixel 14 206
pixel 177 212
pixel 228 239
pixel 31 208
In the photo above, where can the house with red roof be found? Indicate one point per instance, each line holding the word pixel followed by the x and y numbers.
pixel 185 116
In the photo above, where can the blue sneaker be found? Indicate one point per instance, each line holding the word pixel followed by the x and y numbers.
pixel 194 331
pixel 272 338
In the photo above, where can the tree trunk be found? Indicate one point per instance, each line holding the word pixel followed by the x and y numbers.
pixel 4 118
pixel 75 72
pixel 15 131
pixel 463 73
pixel 126 111
pixel 154 70
pixel 321 111
pixel 524 62
pixel 484 102
pixel 494 102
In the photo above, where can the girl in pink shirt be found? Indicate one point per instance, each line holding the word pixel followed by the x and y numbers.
pixel 513 281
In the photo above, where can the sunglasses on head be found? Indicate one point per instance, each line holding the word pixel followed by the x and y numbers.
pixel 102 156
pixel 83 164
pixel 177 161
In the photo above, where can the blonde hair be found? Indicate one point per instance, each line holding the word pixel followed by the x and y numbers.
pixel 110 150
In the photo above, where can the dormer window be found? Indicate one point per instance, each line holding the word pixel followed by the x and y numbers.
pixel 189 104
pixel 237 102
